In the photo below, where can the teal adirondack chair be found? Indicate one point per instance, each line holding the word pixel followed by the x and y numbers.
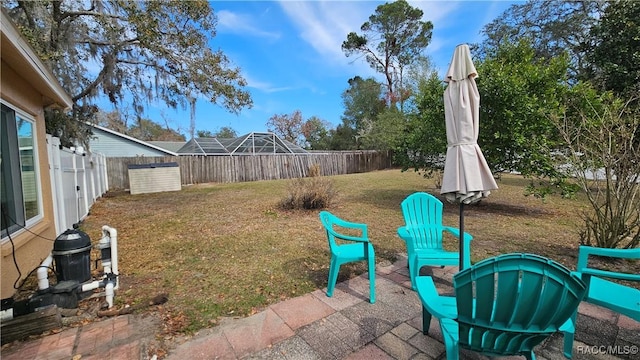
pixel 341 253
pixel 606 293
pixel 423 233
pixel 503 306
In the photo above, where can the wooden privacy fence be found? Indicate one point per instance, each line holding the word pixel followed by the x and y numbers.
pixel 225 169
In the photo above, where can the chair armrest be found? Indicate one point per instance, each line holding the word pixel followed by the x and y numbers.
pixel 583 258
pixel 456 232
pixel 350 225
pixel 440 306
pixel 609 274
pixel 404 234
pixel 350 238
pixel 466 244
pixel 585 251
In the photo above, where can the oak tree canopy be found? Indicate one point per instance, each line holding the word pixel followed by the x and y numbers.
pixel 133 52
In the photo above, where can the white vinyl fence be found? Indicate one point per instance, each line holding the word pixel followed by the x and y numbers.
pixel 78 178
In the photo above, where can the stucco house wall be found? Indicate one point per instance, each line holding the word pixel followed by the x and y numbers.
pixel 28 87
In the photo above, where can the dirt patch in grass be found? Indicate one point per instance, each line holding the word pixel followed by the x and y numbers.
pixel 221 250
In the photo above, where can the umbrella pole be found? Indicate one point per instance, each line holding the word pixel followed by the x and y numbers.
pixel 462 255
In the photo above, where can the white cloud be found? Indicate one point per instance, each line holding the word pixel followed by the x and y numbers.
pixel 324 25
pixel 264 86
pixel 443 16
pixel 493 12
pixel 242 24
pixel 440 13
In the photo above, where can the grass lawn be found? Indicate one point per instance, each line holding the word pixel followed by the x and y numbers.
pixel 227 250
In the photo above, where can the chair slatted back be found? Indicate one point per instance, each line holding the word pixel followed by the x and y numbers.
pixel 510 303
pixel 423 219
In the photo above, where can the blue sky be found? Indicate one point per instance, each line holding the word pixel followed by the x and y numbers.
pixel 289 52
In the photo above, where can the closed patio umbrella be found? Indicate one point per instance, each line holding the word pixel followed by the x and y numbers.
pixel 467 177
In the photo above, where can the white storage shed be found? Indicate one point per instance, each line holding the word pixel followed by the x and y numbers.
pixel 157 177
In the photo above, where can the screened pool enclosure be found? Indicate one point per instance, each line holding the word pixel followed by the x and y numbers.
pixel 254 143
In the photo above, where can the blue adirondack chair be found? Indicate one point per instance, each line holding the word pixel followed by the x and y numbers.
pixel 343 252
pixel 606 293
pixel 423 233
pixel 505 305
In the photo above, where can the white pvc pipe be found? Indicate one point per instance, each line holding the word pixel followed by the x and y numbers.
pixel 43 273
pixel 109 235
pixel 109 294
pixel 113 235
pixel 90 286
pixel 6 315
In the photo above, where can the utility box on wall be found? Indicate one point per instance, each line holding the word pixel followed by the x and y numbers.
pixel 158 177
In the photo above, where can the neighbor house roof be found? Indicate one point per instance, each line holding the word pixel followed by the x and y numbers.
pixel 115 144
pixel 19 55
pixel 169 145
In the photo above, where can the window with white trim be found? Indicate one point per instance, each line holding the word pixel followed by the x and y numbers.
pixel 19 179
